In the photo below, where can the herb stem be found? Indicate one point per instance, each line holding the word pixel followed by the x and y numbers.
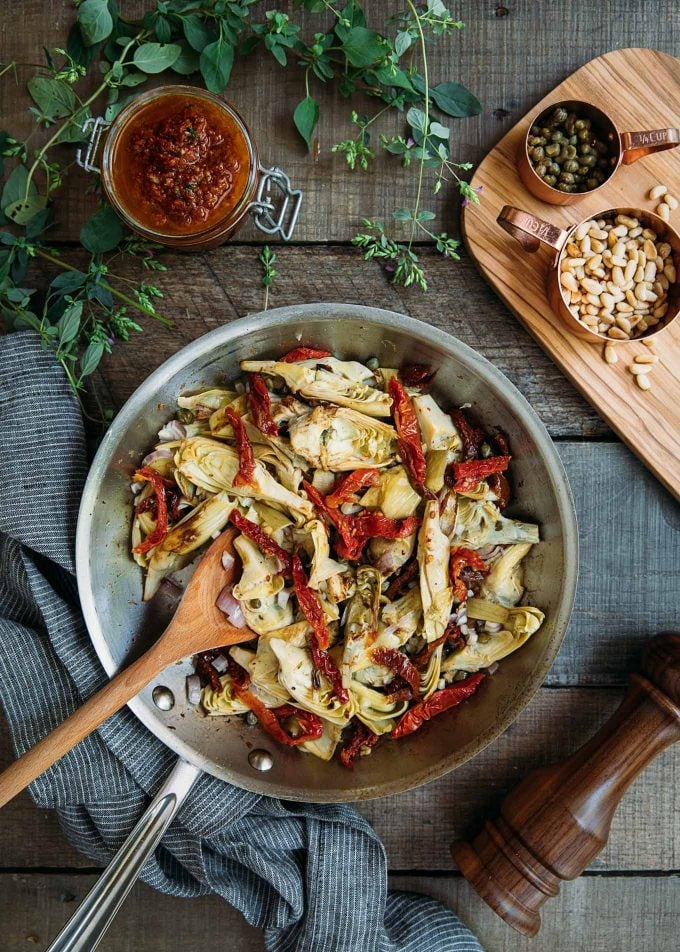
pixel 421 170
pixel 88 102
pixel 116 293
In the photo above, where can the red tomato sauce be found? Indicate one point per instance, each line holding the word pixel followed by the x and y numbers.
pixel 180 165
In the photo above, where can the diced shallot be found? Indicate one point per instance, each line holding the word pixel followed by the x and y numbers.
pixel 227 561
pixel 174 430
pixel 282 597
pixel 220 663
pixel 231 607
pixel 193 689
pixel 492 668
pixel 156 455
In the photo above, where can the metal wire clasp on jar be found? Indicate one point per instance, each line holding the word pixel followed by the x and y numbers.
pixel 180 167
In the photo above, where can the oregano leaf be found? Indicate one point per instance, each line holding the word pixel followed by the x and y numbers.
pixel 102 232
pixel 215 64
pixel 155 57
pixel 95 21
pixel 305 117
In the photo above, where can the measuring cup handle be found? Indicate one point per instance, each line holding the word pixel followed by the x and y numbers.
pixel 636 145
pixel 530 230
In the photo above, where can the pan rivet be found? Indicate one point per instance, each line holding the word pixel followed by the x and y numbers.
pixel 163 698
pixel 260 759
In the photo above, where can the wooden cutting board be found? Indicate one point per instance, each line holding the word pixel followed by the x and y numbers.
pixel 639 89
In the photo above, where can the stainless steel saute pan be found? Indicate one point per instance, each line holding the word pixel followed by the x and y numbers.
pixel 121 625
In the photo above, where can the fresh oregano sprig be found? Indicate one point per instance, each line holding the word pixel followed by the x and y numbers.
pixel 85 309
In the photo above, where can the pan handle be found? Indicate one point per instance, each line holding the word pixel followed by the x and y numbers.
pixel 86 927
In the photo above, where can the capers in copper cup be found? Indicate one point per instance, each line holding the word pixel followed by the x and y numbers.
pixel 569 152
pixel 572 148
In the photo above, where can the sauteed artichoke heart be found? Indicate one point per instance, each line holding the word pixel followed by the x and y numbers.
pixel 372 561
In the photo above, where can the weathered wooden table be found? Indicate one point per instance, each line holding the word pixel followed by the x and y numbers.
pixel 629 587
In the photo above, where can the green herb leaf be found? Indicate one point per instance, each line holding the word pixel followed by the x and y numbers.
pixel 390 76
pixel 95 21
pixel 305 117
pixel 364 47
pixel 68 324
pixel 54 98
pixel 68 281
pixel 403 42
pixel 215 63
pixel 155 57
pixel 18 206
pixel 187 62
pixel 197 32
pixel 416 119
pixel 102 232
pixel 402 214
pixel 455 100
pixel 91 358
pixel 440 131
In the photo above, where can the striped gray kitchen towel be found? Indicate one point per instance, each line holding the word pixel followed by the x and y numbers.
pixel 312 877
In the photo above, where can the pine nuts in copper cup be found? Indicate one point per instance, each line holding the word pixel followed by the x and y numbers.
pixel 572 149
pixel 180 167
pixel 614 277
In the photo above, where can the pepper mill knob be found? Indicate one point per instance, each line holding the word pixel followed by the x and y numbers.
pixel 557 820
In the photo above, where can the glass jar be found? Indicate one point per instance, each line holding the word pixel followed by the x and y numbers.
pixel 184 187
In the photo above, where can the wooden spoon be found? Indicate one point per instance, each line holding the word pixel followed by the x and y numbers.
pixel 197 625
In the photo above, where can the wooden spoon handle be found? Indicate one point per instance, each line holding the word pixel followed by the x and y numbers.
pixel 82 722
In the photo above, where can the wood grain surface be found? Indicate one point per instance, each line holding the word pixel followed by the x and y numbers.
pixel 625 84
pixel 511 54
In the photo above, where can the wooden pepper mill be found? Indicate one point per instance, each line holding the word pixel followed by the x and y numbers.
pixel 557 820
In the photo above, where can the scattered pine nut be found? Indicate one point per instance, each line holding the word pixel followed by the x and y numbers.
pixel 648 342
pixel 610 355
pixel 643 382
pixel 640 369
pixel 670 201
pixel 657 192
pixel 646 359
pixel 663 211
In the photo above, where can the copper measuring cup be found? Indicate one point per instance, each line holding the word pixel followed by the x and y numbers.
pixel 532 232
pixel 626 148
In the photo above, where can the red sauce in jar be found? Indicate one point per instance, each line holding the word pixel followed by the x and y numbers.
pixel 180 164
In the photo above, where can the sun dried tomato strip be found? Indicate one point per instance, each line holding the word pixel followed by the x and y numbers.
pixel 437 703
pixel 372 525
pixel 309 603
pixel 262 540
pixel 246 468
pixel 325 664
pixel 467 475
pixel 207 672
pixel 471 434
pixel 397 661
pixel 452 635
pixel 417 376
pixel 348 486
pixel 172 495
pixel 400 692
pixel 401 580
pixel 408 435
pixel 355 531
pixel 260 406
pixel 160 486
pixel 311 724
pixel 362 738
pixel 304 353
pixel 500 487
pixel 461 559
